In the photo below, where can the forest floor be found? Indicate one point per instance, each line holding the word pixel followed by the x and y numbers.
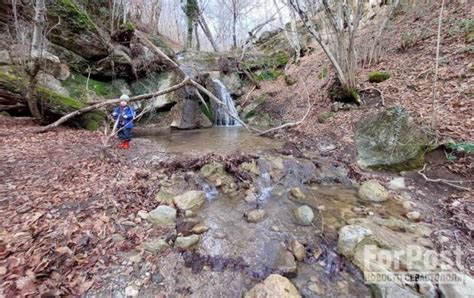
pixel 70 223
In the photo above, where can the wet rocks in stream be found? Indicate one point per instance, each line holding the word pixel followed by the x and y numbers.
pixel 155 245
pixel 190 200
pixel 373 191
pixel 164 198
pixel 298 250
pixel 273 286
pixel 304 215
pixel 162 215
pixel 186 242
pixel 255 216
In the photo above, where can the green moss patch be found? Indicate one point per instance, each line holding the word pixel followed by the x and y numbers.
pixel 268 75
pixel 378 76
pixel 55 104
pixel 76 85
pixel 71 13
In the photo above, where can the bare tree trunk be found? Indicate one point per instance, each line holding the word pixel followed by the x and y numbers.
pixel 112 15
pixel 198 42
pixel 36 54
pixel 339 47
pixel 373 52
pixel 234 27
pixel 207 32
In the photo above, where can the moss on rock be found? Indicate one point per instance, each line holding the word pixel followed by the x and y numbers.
pixel 77 32
pixel 390 140
pixel 76 85
pixel 54 104
pixel 378 76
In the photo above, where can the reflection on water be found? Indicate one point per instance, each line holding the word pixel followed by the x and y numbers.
pixel 221 140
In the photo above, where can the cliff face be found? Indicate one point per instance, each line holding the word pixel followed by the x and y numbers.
pixel 84 61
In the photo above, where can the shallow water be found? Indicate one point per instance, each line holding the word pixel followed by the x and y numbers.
pixel 219 140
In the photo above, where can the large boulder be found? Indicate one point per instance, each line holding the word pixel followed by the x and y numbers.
pixel 273 286
pixel 187 114
pixel 391 140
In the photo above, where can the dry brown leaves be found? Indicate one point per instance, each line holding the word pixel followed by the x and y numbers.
pixel 410 84
pixel 59 206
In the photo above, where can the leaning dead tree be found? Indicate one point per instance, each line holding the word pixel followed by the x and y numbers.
pixel 335 30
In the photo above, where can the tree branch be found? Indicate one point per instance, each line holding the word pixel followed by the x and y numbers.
pixel 110 102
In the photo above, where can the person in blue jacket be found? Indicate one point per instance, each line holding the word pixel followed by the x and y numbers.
pixel 124 116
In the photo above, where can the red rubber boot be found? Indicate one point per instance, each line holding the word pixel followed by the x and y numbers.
pixel 122 145
pixel 126 144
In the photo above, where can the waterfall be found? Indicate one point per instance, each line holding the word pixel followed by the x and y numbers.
pixel 221 118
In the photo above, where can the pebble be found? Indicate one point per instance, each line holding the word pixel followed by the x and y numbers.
pixel 298 250
pixel 443 239
pixel 158 278
pixel 397 183
pixel 131 291
pixel 142 214
pixel 407 205
pixel 255 215
pixel 414 215
pixel 275 228
pixel 199 229
pixel 304 215
pixel 314 287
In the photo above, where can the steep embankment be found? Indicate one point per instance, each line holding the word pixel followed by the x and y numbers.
pixel 409 58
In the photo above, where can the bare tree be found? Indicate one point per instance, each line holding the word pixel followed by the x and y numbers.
pixel 336 38
pixel 191 10
pixel 237 9
pixel 373 54
pixel 291 34
pixel 36 55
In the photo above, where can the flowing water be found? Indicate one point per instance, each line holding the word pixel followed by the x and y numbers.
pixel 219 140
pixel 221 117
pixel 234 254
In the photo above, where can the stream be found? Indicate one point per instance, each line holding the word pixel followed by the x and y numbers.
pixel 250 191
pixel 234 254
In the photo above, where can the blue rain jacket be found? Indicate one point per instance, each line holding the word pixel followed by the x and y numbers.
pixel 125 116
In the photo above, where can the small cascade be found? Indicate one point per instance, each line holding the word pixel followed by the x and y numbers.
pixel 221 118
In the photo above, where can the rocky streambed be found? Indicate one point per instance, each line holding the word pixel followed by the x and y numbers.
pixel 273 220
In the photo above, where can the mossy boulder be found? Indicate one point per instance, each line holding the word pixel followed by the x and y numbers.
pixel 378 76
pixel 77 86
pixel 77 32
pixel 391 140
pixel 54 105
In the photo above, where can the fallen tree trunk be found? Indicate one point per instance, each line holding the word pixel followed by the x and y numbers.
pixel 110 102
